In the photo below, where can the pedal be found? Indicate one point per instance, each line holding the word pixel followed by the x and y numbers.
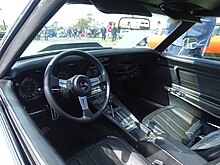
pixel 54 114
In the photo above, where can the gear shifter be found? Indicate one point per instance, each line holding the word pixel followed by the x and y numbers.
pixel 111 101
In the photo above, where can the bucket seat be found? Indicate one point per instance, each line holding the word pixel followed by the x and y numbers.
pixel 109 151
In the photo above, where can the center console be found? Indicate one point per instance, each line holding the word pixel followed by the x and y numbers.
pixel 158 148
pixel 123 118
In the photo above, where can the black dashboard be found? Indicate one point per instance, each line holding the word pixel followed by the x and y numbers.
pixel 28 73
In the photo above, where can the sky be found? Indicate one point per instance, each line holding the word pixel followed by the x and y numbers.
pixel 10 10
pixel 76 13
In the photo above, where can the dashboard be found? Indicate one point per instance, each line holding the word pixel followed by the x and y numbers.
pixel 28 74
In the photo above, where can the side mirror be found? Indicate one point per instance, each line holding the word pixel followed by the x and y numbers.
pixel 134 23
pixel 190 43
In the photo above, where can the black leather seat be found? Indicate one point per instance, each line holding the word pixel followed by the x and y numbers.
pixel 108 152
pixel 176 122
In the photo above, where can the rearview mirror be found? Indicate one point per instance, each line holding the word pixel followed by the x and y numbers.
pixel 190 43
pixel 134 23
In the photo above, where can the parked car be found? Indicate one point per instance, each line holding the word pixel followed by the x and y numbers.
pixel 75 105
pixel 51 32
pixel 212 48
pixel 122 33
pixel 62 33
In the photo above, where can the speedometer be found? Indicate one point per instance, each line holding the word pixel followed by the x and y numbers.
pixel 29 89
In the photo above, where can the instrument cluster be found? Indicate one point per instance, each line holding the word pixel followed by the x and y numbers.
pixel 29 85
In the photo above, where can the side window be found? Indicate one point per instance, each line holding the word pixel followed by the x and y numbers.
pixel 202 40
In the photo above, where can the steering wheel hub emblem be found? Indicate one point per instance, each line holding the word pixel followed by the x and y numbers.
pixel 81 85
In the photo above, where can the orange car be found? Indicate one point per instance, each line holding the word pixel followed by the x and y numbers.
pixel 213 47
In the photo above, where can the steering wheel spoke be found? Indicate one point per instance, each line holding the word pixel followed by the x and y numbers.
pixel 63 83
pixel 56 82
pixel 85 107
pixel 96 80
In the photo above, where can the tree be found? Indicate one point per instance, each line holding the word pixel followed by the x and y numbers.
pixel 84 23
pixel 2 28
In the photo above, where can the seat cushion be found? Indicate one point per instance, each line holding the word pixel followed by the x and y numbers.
pixel 107 152
pixel 174 121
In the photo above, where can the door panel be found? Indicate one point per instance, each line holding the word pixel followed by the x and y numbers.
pixel 196 82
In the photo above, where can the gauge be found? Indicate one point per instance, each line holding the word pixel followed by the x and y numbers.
pixel 89 73
pixel 63 75
pixel 95 72
pixel 29 89
pixel 67 72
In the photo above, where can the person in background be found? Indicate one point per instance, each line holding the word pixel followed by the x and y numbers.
pixel 75 33
pixel 37 36
pixel 201 31
pixel 103 32
pixel 45 34
pixel 114 33
pixel 159 28
pixel 129 25
pixel 69 33
pixel 109 28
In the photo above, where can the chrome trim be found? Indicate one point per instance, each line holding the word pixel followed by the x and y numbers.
pixel 196 99
pixel 62 83
pixel 83 102
pixel 36 112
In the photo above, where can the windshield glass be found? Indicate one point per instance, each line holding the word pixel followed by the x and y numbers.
pixel 78 26
pixel 83 26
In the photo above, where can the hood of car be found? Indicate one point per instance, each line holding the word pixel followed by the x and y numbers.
pixel 132 39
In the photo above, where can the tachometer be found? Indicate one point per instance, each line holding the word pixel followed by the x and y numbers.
pixel 67 72
pixel 29 89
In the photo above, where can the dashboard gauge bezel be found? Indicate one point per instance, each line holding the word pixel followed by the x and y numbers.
pixel 29 89
pixel 67 71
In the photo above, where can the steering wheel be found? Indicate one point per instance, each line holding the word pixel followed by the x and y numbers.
pixel 80 85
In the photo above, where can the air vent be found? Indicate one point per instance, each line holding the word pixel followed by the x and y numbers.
pixel 104 61
pixel 126 68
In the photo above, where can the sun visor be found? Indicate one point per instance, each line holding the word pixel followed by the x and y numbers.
pixel 190 10
pixel 122 7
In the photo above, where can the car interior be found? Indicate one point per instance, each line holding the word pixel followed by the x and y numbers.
pixel 118 106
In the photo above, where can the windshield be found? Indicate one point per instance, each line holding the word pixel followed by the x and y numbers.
pixel 80 26
pixel 83 26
